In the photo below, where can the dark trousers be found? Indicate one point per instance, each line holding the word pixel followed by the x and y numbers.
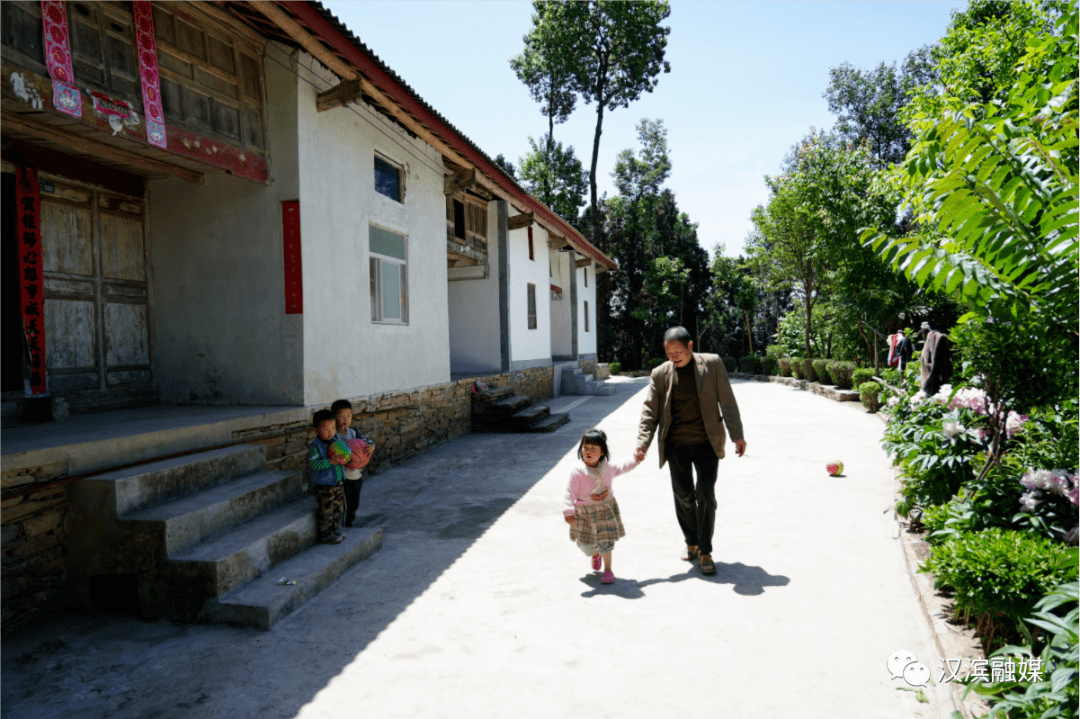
pixel 352 496
pixel 329 515
pixel 695 507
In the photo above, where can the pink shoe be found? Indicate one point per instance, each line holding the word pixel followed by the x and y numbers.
pixel 596 563
pixel 608 578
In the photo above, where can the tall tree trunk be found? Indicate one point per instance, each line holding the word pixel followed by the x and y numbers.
pixel 749 337
pixel 597 229
pixel 809 315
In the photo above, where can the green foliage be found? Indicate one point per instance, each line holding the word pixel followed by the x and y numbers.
pixel 656 362
pixel 808 370
pixel 730 364
pixel 868 393
pixel 842 374
pixel 614 367
pixel 554 174
pixel 998 576
pixel 933 464
pixel 1057 694
pixel 822 371
pixel 981 503
pixel 861 375
pixel 774 352
pixel 769 365
pixel 750 363
pixel 786 364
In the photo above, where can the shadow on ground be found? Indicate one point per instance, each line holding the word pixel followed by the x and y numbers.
pixel 432 509
pixel 748 581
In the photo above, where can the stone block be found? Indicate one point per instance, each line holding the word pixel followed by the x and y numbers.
pixel 43 524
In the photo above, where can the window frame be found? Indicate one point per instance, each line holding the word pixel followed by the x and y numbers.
pixel 530 305
pixel 398 168
pixel 377 262
pixel 586 315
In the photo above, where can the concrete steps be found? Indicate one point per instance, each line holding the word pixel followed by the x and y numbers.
pixel 265 600
pixel 500 410
pixel 185 533
pixel 574 381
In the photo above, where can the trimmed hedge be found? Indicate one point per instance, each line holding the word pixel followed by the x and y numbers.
pixel 614 367
pixel 656 362
pixel 730 364
pixel 861 375
pixel 822 372
pixel 808 370
pixel 751 364
pixel 869 392
pixel 785 366
pixel 841 374
pixel 769 365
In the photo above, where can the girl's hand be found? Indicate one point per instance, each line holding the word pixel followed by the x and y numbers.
pixel 599 497
pixel 569 518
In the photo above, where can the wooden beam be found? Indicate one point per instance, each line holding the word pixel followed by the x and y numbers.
pixel 461 258
pixel 556 242
pixel 460 180
pixel 518 221
pixel 341 94
pixel 78 143
pixel 583 263
pixel 306 40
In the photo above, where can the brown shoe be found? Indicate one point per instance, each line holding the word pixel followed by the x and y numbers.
pixel 690 553
pixel 708 566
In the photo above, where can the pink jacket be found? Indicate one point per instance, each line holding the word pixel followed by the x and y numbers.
pixel 585 481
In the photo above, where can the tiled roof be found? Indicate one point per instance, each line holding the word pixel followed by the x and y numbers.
pixel 484 163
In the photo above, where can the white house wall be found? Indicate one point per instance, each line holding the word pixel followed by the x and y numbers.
pixel 560 309
pixel 586 340
pixel 474 313
pixel 528 347
pixel 221 334
pixel 346 353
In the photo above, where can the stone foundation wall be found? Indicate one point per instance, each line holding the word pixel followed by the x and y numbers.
pixel 588 366
pixel 33 548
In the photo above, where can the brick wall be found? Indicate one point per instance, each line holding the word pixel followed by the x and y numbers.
pixel 32 527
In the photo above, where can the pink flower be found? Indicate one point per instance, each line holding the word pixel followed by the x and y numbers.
pixel 1014 424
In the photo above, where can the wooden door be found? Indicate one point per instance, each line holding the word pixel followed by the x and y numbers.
pixel 97 315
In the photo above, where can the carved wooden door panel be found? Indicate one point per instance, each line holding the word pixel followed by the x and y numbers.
pixel 97 318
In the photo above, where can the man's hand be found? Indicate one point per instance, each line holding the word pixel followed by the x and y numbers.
pixel 639 455
pixel 740 447
pixel 569 518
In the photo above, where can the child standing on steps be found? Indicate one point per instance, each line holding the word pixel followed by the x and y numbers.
pixel 325 457
pixel 589 505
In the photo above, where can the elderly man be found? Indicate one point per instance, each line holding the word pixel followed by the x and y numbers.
pixel 686 397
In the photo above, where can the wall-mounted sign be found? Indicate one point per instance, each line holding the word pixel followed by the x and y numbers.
pixel 31 276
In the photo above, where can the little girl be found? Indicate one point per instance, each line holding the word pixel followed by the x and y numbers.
pixel 589 506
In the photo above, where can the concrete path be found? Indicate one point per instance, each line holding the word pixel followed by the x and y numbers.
pixel 478 605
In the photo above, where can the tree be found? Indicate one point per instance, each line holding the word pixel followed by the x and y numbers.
pixel 868 103
pixel 506 166
pixel 554 174
pixel 544 70
pixel 609 51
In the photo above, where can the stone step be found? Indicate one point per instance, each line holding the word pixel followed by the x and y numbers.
pixel 263 601
pixel 492 394
pixel 551 423
pixel 530 415
pixel 129 490
pixel 196 518
pixel 604 390
pixel 246 552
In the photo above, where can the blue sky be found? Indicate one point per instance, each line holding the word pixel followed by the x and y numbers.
pixel 746 84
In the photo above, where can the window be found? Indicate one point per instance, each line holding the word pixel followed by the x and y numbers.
pixel 586 316
pixel 387 179
pixel 586 276
pixel 531 244
pixel 389 276
pixel 532 306
pixel 459 220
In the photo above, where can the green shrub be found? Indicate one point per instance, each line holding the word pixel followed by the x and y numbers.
pixel 774 351
pixel 822 372
pixel 769 365
pixel 808 369
pixel 785 366
pixel 614 367
pixel 751 364
pixel 862 374
pixel 841 373
pixel 1057 695
pixel 868 393
pixel 730 364
pixel 656 362
pixel 797 369
pixel 998 576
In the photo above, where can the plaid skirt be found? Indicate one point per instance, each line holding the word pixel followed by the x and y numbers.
pixel 599 522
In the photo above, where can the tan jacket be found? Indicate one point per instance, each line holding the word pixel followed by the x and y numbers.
pixel 714 393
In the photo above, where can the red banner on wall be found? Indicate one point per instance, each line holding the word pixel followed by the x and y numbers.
pixel 294 280
pixel 31 275
pixel 66 97
pixel 146 49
